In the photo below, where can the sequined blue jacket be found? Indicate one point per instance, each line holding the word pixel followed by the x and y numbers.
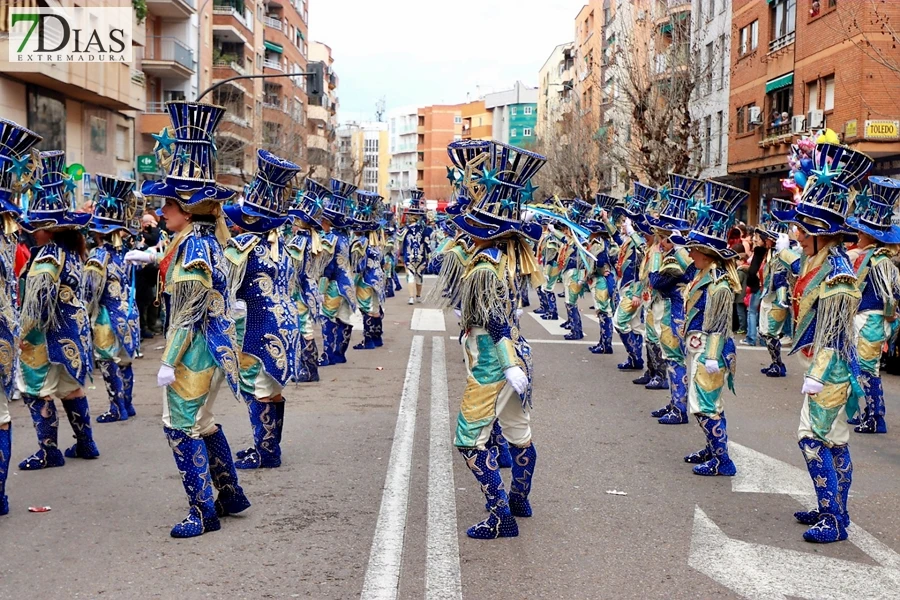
pixel 339 269
pixel 108 284
pixel 9 312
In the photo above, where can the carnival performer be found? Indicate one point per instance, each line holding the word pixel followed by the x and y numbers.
pixel 309 257
pixel 498 359
pixel 670 272
pixel 549 248
pixel 776 289
pixel 575 270
pixel 57 356
pixel 339 293
pixel 201 338
pixel 629 320
pixel 875 321
pixel 367 259
pixel 825 301
pixel 17 168
pixel 707 323
pixel 260 269
pixel 109 293
pixel 603 246
pixel 390 253
pixel 413 243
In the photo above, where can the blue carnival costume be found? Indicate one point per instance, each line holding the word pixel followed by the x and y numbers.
pixel 603 247
pixel 391 283
pixel 414 244
pixel 259 277
pixel 57 354
pixel 707 333
pixel 826 298
pixel 109 294
pixel 498 359
pixel 628 320
pixel 17 167
pixel 309 258
pixel 367 259
pixel 339 292
pixel 878 282
pixel 201 338
pixel 776 289
pixel 574 270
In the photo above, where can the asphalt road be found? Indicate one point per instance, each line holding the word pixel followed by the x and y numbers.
pixel 358 511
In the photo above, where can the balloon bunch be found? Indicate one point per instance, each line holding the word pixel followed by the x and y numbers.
pixel 801 164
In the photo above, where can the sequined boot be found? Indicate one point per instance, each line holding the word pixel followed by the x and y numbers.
pixel 552 313
pixel 46 426
pixel 716 434
pixel 657 364
pixel 701 456
pixel 114 389
pixel 128 389
pixel 575 332
pixel 79 414
pixel 633 342
pixel 329 342
pixel 193 464
pixel 828 519
pixel 342 342
pixel 500 522
pixel 504 459
pixel 604 345
pixel 368 343
pixel 5 450
pixel 378 329
pixel 232 499
pixel 542 301
pixel 266 432
pixel 872 419
pixel 677 408
pixel 523 463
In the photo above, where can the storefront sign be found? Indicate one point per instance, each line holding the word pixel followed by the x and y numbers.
pixel 851 129
pixel 146 163
pixel 882 130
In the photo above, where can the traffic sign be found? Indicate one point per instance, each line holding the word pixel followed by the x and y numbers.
pixel 146 163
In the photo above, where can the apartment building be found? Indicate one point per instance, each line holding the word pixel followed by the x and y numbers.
pixel 436 127
pixel 403 148
pixel 477 121
pixel 514 115
pixel 711 41
pixel 556 84
pixel 322 115
pixel 799 67
pixel 364 156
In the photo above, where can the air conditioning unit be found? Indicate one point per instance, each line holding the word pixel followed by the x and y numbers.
pixel 755 115
pixel 798 124
pixel 642 15
pixel 815 118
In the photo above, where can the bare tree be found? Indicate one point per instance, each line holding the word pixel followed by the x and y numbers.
pixel 872 27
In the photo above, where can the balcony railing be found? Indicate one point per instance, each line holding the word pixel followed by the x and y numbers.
pixel 778 130
pixel 273 23
pixel 155 107
pixel 229 64
pixel 782 42
pixel 138 77
pixel 225 8
pixel 271 64
pixel 169 49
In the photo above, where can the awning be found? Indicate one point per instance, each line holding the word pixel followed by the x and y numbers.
pixel 273 47
pixel 666 27
pixel 780 82
pixel 301 35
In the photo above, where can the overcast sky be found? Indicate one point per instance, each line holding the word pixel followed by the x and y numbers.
pixel 421 52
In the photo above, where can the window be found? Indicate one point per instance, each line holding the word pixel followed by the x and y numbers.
pixel 456 138
pixel 741 120
pixel 710 59
pixel 829 93
pixel 526 132
pixel 784 18
pixel 754 35
pixel 513 132
pixel 749 38
pixel 529 110
pixel 722 60
pixel 707 140
pixel 720 128
pixel 122 143
pixel 457 120
pixel 512 110
pixel 812 93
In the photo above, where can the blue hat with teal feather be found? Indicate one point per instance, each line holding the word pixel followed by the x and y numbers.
pixel 874 210
pixel 51 199
pixel 338 206
pixel 462 153
pixel 367 211
pixel 309 203
pixel 769 225
pixel 265 203
pixel 637 206
pixel 114 205
pixel 416 204
pixel 602 203
pixel 676 198
pixel 714 217
pixel 17 163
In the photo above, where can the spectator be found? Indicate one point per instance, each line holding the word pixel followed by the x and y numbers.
pixel 753 287
pixel 146 279
pixel 739 315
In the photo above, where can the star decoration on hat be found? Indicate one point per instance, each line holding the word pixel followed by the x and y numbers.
pixel 36 186
pixel 700 209
pixel 20 165
pixel 452 176
pixel 488 179
pixel 664 193
pixel 164 140
pixel 69 184
pixel 507 205
pixel 184 156
pixel 527 193
pixel 863 199
pixel 825 175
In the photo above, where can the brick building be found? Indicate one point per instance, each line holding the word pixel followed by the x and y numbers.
pixel 799 66
pixel 437 126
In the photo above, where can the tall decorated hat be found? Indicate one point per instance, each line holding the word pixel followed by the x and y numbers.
pixel 676 199
pixel 51 205
pixel 825 201
pixel 579 211
pixel 874 208
pixel 388 220
pixel 602 203
pixel 114 205
pixel 265 205
pixel 309 203
pixel 714 218
pixel 637 206
pixel 190 157
pixel 367 211
pixel 416 204
pixel 496 185
pixel 462 154
pixel 338 206
pixel 17 163
pixel 770 226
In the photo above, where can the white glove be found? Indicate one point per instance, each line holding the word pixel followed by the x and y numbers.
pixel 811 386
pixel 238 309
pixel 629 229
pixel 517 378
pixel 140 257
pixel 458 313
pixel 519 312
pixel 166 376
pixel 712 366
pixel 783 242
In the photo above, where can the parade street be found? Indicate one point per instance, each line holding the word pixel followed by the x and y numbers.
pixel 373 502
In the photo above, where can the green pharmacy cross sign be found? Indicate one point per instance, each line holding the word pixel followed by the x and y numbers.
pixel 146 163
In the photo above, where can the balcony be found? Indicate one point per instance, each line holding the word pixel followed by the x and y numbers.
pixel 171 10
pixel 225 64
pixel 154 118
pixel 138 77
pixel 273 23
pixel 229 18
pixel 271 64
pixel 775 135
pixel 317 114
pixel 782 42
pixel 168 58
pixel 317 141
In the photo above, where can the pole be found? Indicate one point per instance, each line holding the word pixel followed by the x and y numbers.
pixel 230 79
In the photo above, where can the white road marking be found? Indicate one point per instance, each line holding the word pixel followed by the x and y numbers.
pixel 428 319
pixel 442 575
pixel 552 327
pixel 357 321
pixel 385 559
pixel 769 573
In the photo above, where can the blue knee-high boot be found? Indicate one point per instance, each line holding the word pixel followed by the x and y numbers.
pixel 378 329
pixel 523 463
pixel 232 499
pixel 114 389
pixel 526 302
pixel 504 459
pixel 700 456
pixel 368 342
pixel 827 519
pixel 341 341
pixel 872 417
pixel 659 378
pixel 716 434
pixel 777 368
pixel 79 414
pixel 309 362
pixel 552 313
pixel 329 342
pixel 500 522
pixel 127 374
pixel 542 301
pixel 46 426
pixel 575 330
pixel 677 409
pixel 843 466
pixel 266 426
pixel 633 343
pixel 192 461
pixel 397 286
pixel 388 287
pixel 5 451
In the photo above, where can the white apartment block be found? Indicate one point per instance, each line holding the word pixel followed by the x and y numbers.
pixel 710 42
pixel 402 140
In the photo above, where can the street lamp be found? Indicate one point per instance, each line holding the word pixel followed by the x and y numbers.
pixel 315 85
